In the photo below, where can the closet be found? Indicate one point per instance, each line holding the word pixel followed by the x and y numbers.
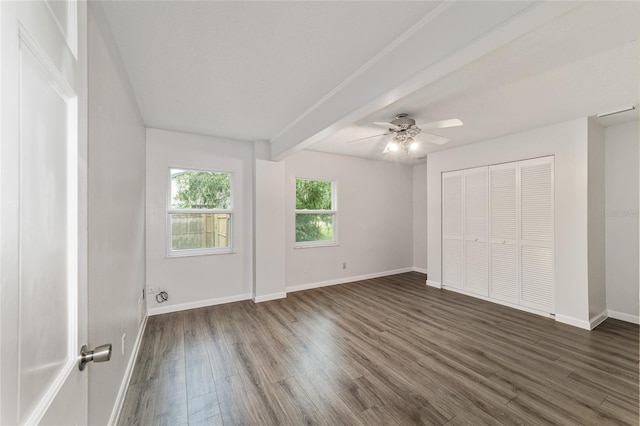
pixel 497 233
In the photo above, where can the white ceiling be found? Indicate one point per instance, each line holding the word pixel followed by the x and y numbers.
pixel 245 70
pixel 262 70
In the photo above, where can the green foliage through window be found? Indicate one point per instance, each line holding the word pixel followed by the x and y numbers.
pixel 200 190
pixel 315 196
pixel 209 193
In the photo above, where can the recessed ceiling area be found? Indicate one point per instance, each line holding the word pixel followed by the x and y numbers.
pixel 315 75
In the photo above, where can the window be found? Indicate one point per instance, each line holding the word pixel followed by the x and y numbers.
pixel 200 213
pixel 315 212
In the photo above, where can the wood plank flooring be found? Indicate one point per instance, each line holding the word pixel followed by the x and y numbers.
pixel 384 351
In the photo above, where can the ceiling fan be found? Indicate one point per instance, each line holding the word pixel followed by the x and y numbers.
pixel 404 130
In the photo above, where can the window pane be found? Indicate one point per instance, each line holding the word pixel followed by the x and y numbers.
pixel 199 231
pixel 200 190
pixel 314 227
pixel 313 194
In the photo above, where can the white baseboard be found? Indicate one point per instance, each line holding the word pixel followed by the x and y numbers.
pixel 434 284
pixel 597 319
pixel 309 286
pixel 635 319
pixel 586 325
pixel 500 302
pixel 122 392
pixel 272 296
pixel 421 270
pixel 198 304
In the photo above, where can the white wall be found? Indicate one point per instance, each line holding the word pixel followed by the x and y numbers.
pixel 198 280
pixel 270 231
pixel 374 219
pixel 115 213
pixel 621 203
pixel 420 217
pixel 596 237
pixel 568 143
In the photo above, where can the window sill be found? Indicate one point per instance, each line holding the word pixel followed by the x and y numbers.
pixel 174 255
pixel 315 245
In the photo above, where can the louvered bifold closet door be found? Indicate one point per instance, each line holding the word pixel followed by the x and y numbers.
pixel 452 226
pixel 476 251
pixel 503 225
pixel 536 234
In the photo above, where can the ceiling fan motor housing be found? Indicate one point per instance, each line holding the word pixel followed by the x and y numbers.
pixel 407 126
pixel 403 120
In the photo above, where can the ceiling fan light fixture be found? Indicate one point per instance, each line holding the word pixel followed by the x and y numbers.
pixel 404 133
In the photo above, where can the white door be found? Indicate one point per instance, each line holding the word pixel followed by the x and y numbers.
pixel 536 234
pixel 43 212
pixel 476 252
pixel 503 224
pixel 452 228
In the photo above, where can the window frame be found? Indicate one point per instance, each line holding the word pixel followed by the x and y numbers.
pixel 333 212
pixel 170 252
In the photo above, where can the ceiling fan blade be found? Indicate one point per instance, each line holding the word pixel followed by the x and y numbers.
pixel 453 122
pixel 438 140
pixel 368 137
pixel 387 125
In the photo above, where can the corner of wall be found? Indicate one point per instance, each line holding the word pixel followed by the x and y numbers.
pixel 596 218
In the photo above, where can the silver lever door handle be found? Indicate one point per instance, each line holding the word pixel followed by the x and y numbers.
pixel 100 354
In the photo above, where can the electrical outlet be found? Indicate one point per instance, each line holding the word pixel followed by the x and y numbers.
pixel 124 342
pixel 306 269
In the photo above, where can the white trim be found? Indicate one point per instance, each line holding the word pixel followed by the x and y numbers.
pixel 272 296
pixel 117 406
pixel 434 284
pixel 198 304
pixel 318 284
pixel 634 319
pixel 315 244
pixel 500 302
pixel 421 270
pixel 213 251
pixel 596 320
pixel 586 325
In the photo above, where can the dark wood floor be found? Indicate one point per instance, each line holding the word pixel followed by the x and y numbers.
pixel 380 352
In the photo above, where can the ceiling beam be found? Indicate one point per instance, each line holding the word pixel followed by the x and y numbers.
pixel 451 36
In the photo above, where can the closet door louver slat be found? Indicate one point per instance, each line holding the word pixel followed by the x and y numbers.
pixel 504 272
pixel 452 224
pixel 536 229
pixel 503 185
pixel 476 251
pixel 452 263
pixel 452 206
pixel 537 202
pixel 537 277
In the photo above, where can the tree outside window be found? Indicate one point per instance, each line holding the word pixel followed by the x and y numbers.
pixel 315 212
pixel 200 212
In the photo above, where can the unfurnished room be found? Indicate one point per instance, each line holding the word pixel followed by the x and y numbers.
pixel 319 212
